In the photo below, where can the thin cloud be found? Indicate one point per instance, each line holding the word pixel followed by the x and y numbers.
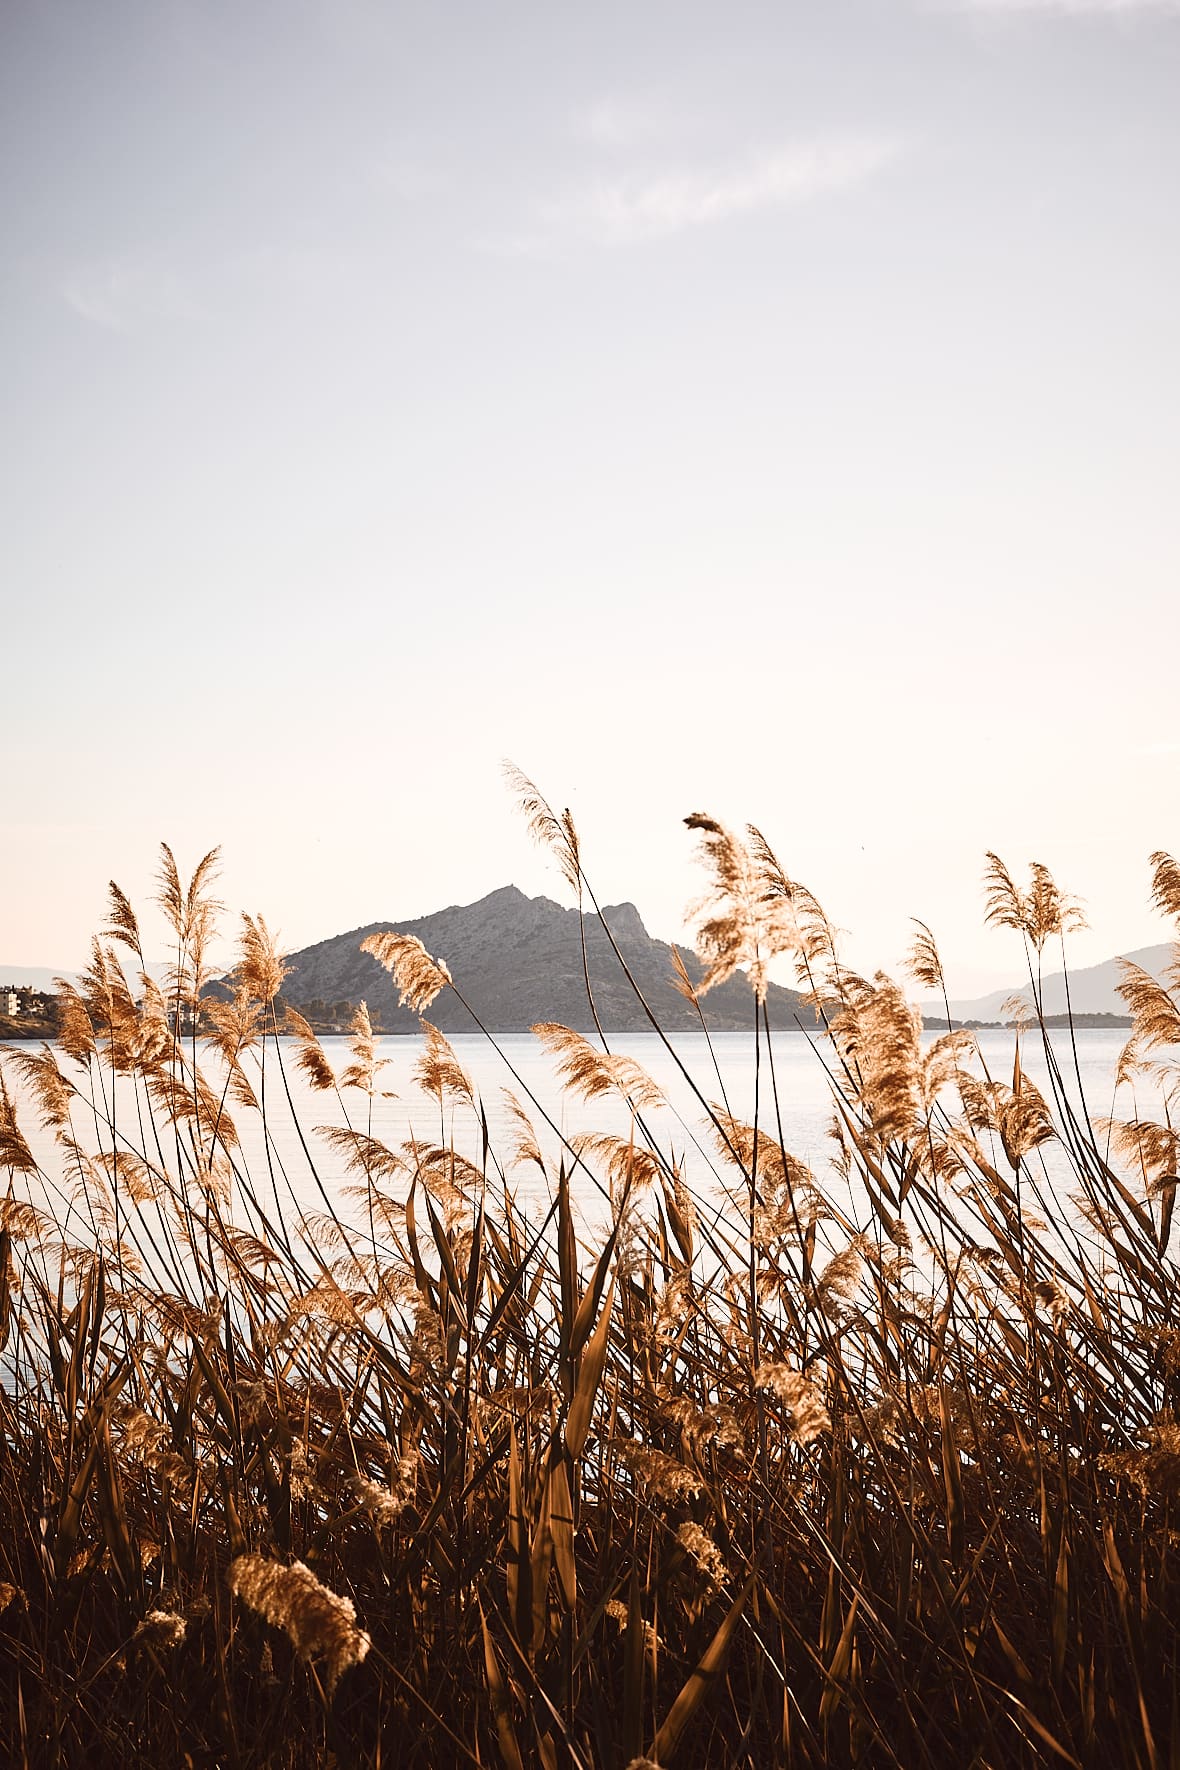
pixel 414 180
pixel 122 295
pixel 1068 8
pixel 616 122
pixel 1168 747
pixel 637 207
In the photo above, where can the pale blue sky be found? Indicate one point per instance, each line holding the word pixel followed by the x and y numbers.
pixel 769 408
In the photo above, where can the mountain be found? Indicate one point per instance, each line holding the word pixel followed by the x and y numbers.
pixel 518 960
pixel 1092 990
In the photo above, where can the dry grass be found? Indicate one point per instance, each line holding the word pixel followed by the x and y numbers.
pixel 871 1466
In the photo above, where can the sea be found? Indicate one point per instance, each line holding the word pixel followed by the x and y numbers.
pixel 791 1078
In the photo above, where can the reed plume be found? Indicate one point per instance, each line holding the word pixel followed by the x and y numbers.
pixel 439 1071
pixel 418 977
pixel 590 1073
pixel 260 970
pixel 15 1154
pixel 1038 912
pixel 739 921
pixel 1165 885
pixel 320 1624
pixel 548 828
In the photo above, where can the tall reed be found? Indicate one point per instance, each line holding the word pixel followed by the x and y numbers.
pixel 866 1464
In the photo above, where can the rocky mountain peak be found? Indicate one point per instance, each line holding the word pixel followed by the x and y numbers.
pixel 518 960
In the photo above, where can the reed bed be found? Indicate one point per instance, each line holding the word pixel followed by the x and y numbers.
pixel 873 1465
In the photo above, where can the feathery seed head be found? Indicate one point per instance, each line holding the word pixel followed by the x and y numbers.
pixel 161 1628
pixel 123 924
pixel 587 1071
pixel 438 1070
pixel 15 1153
pixel 1041 911
pixel 310 1057
pixel 320 1624
pixel 699 1544
pixel 1155 1470
pixel 1165 884
pixel 924 964
pixel 809 1416
pixel 747 916
pixel 260 970
pixel 1153 1009
pixel 419 978
pixel 878 1033
pixel 557 833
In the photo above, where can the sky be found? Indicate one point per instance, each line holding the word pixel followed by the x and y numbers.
pixel 769 409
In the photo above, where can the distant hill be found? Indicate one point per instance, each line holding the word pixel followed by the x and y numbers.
pixel 44 976
pixel 1092 990
pixel 518 960
pixel 32 976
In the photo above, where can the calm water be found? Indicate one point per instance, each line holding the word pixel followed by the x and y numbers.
pixel 799 1076
pixel 522 1065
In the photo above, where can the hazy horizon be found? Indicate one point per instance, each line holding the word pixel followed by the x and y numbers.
pixel 771 410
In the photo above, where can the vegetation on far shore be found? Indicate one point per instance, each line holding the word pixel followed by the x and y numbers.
pixel 35 1017
pixel 867 1465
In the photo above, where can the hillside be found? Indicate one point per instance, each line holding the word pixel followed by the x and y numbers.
pixel 1092 989
pixel 518 960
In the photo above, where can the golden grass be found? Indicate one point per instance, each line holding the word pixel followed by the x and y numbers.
pixel 873 1465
